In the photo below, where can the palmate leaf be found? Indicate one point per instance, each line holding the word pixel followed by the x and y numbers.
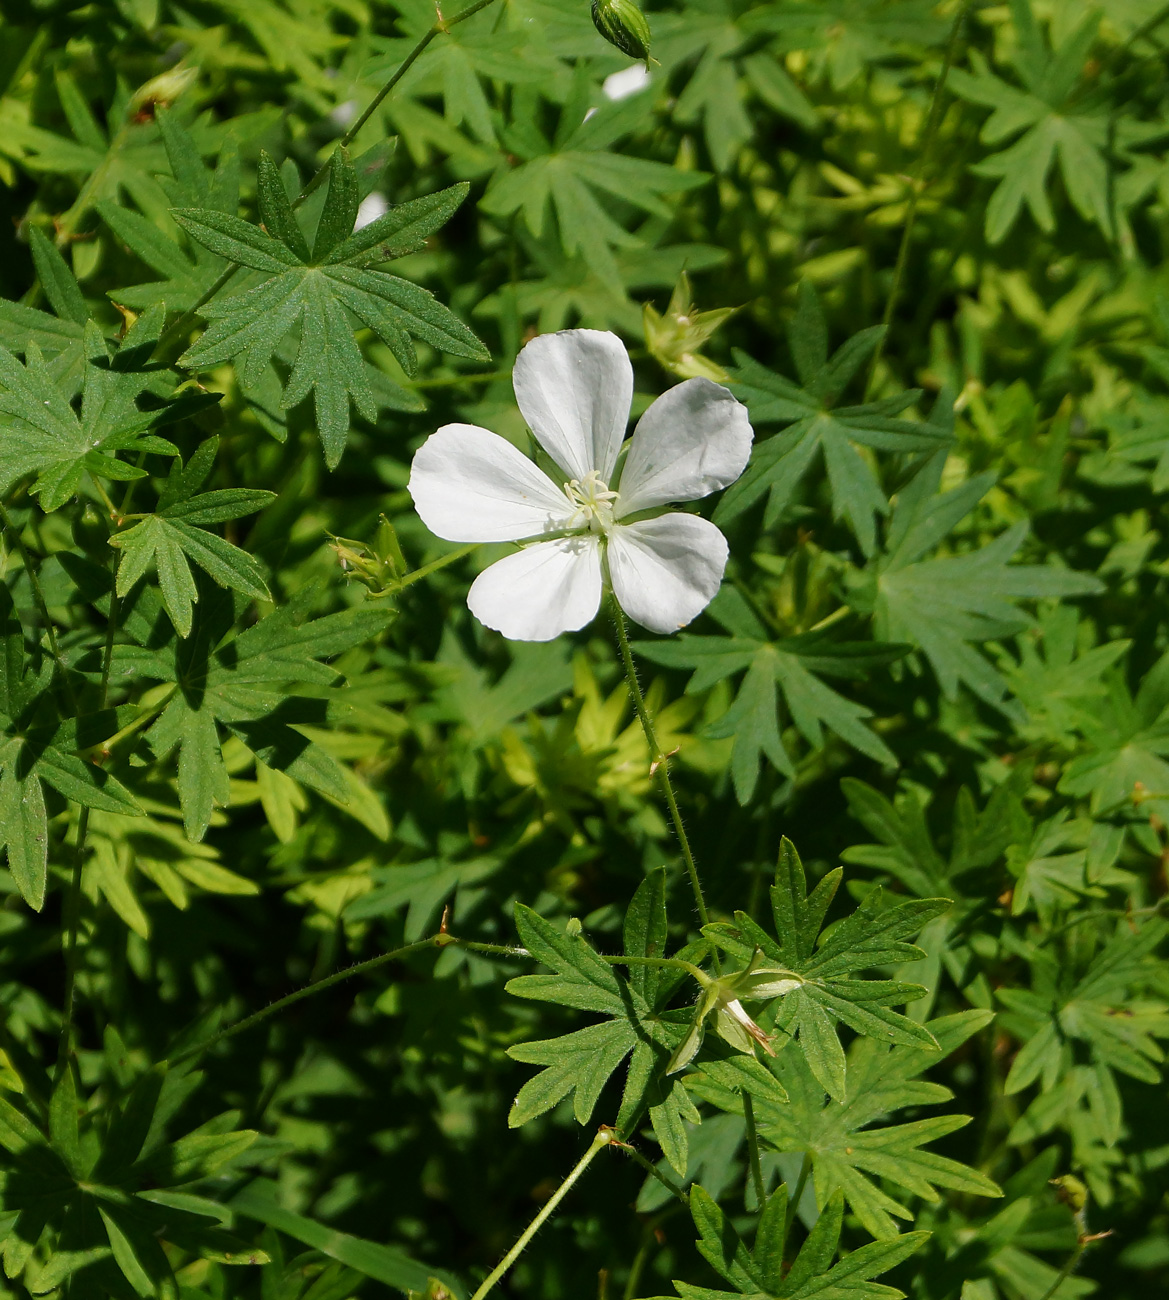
pixel 873 935
pixel 847 1150
pixel 578 176
pixel 88 1195
pixel 841 38
pixel 818 427
pixel 582 1062
pixel 245 684
pixel 763 1271
pixel 317 290
pixel 948 604
pixel 38 749
pixel 45 436
pixel 1053 124
pixel 1127 750
pixel 791 667
pixel 1098 1006
pixel 187 275
pixel 171 537
pixel 123 154
pixel 729 60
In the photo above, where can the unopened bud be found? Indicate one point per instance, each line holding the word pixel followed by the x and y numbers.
pixel 161 91
pixel 623 24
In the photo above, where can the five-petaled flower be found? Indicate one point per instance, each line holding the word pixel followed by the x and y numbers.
pixel 585 527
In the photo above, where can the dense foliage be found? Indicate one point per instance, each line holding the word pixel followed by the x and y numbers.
pixel 256 251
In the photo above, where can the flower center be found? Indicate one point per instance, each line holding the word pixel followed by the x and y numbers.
pixel 593 503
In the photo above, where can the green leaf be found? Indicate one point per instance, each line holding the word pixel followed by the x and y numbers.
pixel 168 540
pixel 871 936
pixel 820 428
pixel 60 285
pixel 849 1151
pixel 1053 124
pixel 258 1200
pixel 244 682
pixel 761 1272
pixel 43 435
pixel 582 1062
pixel 25 833
pixel 316 293
pixel 948 604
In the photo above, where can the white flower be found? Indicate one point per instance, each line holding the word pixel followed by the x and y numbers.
pixel 574 389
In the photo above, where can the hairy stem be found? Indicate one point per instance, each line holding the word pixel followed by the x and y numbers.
pixel 652 1169
pixel 602 1140
pixel 933 121
pixel 753 1151
pixel 433 567
pixel 438 28
pixel 309 990
pixel 660 762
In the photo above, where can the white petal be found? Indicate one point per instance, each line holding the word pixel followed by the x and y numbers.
pixel 666 571
pixel 541 591
pixel 574 389
pixel 471 485
pixel 693 440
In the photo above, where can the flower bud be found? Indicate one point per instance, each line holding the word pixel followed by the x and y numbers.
pixel 623 24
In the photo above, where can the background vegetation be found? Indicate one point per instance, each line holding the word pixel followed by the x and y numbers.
pixel 938 656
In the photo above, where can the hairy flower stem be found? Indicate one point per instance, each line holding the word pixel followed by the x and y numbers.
pixel 603 1139
pixel 309 990
pixel 438 28
pixel 753 1151
pixel 659 763
pixel 652 1169
pixel 933 121
pixel 433 567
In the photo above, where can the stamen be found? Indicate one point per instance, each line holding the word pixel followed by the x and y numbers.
pixel 593 501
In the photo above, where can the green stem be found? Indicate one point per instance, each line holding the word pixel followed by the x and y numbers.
pixel 660 763
pixel 67 224
pixel 494 949
pixel 602 1140
pixel 1064 1273
pixel 753 1151
pixel 795 1199
pixel 438 28
pixel 191 315
pixel 652 1169
pixel 933 121
pixel 433 567
pixel 310 990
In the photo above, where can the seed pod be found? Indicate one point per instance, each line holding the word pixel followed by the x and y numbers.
pixel 623 24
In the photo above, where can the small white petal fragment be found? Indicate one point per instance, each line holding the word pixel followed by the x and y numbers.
pixel 620 85
pixel 541 591
pixel 666 571
pixel 574 389
pixel 694 440
pixel 471 485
